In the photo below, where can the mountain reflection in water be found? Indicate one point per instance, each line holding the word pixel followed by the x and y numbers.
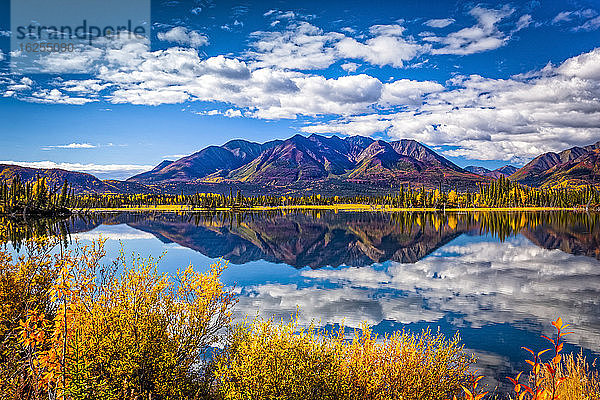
pixel 317 239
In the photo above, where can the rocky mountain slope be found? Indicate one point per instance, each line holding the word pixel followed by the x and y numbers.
pixel 572 167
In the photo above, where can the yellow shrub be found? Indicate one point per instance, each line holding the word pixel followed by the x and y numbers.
pixel 124 332
pixel 280 361
pixel 403 366
pixel 24 284
pixel 276 361
pixel 580 383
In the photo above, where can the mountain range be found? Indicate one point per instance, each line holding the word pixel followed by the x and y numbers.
pixel 300 163
pixel 504 171
pixel 327 165
pixel 572 167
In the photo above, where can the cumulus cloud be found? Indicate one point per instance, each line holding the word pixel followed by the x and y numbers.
pixel 350 67
pixel 387 48
pixel 483 36
pixel 84 86
pixel 408 92
pixel 230 113
pixel 23 84
pixel 511 119
pixel 181 35
pixel 439 23
pixel 176 75
pixel 83 59
pixel 55 96
pixel 303 46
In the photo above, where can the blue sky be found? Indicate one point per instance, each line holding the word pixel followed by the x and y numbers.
pixel 482 83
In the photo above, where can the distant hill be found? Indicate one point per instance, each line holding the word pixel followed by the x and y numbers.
pixel 572 167
pixel 352 164
pixel 79 181
pixel 505 171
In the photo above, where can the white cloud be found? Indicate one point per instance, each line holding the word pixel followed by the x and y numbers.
pixel 79 167
pixel 55 96
pixel 380 50
pixel 71 146
pixel 439 23
pixel 231 113
pixel 583 66
pixel 1 55
pixel 84 86
pixel 590 25
pixel 176 75
pixel 511 119
pixel 563 16
pixel 83 59
pixel 407 92
pixel 586 19
pixel 523 22
pixel 182 35
pixel 24 84
pixel 350 67
pixel 303 46
pixel 483 36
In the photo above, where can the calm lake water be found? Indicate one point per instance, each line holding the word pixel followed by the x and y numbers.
pixel 497 278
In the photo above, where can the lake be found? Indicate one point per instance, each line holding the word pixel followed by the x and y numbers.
pixel 498 278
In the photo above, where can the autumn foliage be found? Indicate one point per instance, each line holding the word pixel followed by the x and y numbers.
pixel 284 361
pixel 119 332
pixel 556 379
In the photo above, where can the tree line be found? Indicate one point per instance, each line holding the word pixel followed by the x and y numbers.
pixel 37 197
pixel 500 193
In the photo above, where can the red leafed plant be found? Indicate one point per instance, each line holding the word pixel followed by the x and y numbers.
pixel 543 384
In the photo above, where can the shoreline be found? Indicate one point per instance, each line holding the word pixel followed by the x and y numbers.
pixel 337 207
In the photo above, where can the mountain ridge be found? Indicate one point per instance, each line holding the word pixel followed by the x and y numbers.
pixel 354 165
pixel 298 161
pixel 570 167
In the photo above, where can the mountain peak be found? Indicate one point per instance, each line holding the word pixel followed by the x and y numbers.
pixel 162 165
